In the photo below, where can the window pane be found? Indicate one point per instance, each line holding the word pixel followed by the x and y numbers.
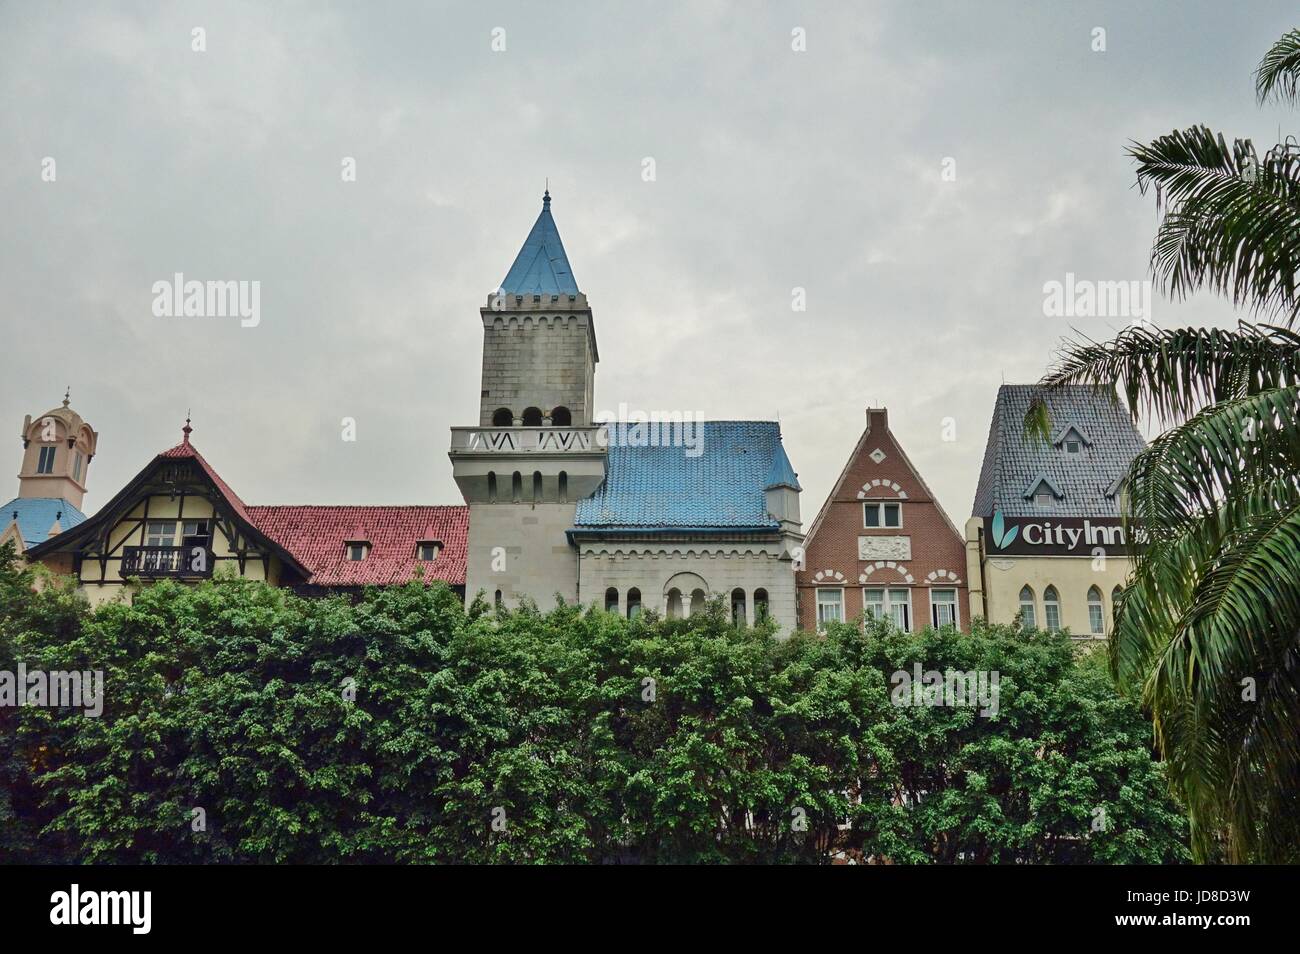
pixel 892 515
pixel 872 512
pixel 874 601
pixel 161 533
pixel 1096 619
pixel 1052 616
pixel 1027 616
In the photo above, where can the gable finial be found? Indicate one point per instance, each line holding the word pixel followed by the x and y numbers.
pixel 187 430
pixel 67 396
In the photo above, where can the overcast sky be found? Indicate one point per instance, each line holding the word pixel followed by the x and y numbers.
pixel 774 169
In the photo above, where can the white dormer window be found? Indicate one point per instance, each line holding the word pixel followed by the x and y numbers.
pixel 356 550
pixel 1072 446
pixel 427 550
pixel 1042 499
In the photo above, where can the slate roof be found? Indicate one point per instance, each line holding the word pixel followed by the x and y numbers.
pixel 541 267
pixel 36 515
pixel 662 488
pixel 316 535
pixel 1011 463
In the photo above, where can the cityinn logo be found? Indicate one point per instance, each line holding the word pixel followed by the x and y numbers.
pixel 1003 536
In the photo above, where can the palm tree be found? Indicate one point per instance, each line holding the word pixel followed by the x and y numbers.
pixel 1208 630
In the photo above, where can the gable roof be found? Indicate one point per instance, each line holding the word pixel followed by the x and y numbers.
pixel 859 450
pixel 316 535
pixel 541 267
pixel 663 488
pixel 36 516
pixel 1085 480
pixel 126 496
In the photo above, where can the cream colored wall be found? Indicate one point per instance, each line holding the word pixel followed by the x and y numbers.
pixel 1004 577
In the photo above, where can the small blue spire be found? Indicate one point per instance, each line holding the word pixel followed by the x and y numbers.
pixel 541 267
pixel 781 474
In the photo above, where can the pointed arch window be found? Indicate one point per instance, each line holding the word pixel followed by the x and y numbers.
pixel 1051 609
pixel 1096 612
pixel 1028 615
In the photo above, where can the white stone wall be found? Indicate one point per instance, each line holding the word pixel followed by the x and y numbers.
pixel 538 560
pixel 724 566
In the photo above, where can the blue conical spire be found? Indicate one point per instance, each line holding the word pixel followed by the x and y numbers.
pixel 781 474
pixel 541 267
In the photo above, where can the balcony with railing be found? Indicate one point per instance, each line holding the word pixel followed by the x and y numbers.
pixel 167 562
pixel 539 440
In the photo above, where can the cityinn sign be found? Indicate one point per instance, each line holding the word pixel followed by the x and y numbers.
pixel 1058 536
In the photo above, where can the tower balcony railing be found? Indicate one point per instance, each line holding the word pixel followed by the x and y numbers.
pixel 172 562
pixel 539 440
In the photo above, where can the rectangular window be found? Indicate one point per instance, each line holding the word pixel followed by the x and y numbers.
pixel 895 605
pixel 428 551
pixel 357 551
pixel 1052 615
pixel 76 467
pixel 830 607
pixel 1072 447
pixel 1042 500
pixel 160 533
pixel 879 514
pixel 45 465
pixel 943 608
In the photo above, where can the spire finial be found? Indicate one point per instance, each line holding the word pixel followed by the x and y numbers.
pixel 546 196
pixel 187 430
pixel 67 396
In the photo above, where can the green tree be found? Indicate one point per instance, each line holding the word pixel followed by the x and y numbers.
pixel 244 724
pixel 1208 633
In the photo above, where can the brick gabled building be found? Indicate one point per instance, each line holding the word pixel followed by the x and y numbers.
pixel 882 543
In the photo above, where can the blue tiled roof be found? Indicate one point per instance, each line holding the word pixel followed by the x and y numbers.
pixel 36 515
pixel 541 267
pixel 662 488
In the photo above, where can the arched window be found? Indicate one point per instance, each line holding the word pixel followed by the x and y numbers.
pixel 562 417
pixel 673 606
pixel 697 601
pixel 532 417
pixel 492 486
pixel 1051 609
pixel 537 486
pixel 516 487
pixel 633 603
pixel 503 417
pixel 1028 617
pixel 611 600
pixel 564 487
pixel 498 602
pixel 760 605
pixel 738 607
pixel 1096 613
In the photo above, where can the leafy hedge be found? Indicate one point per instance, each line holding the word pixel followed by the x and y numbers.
pixel 404 728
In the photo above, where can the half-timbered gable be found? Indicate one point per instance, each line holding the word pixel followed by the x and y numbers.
pixel 177 519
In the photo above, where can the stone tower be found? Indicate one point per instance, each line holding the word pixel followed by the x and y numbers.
pixel 535 451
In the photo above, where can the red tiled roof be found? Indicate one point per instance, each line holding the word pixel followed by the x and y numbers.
pixel 316 535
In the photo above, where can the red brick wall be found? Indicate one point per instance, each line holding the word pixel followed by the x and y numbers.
pixel 833 544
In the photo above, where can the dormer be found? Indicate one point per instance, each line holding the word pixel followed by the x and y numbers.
pixel 1043 491
pixel 1070 438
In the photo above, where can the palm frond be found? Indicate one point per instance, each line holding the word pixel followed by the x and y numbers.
pixel 1278 73
pixel 1231 220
